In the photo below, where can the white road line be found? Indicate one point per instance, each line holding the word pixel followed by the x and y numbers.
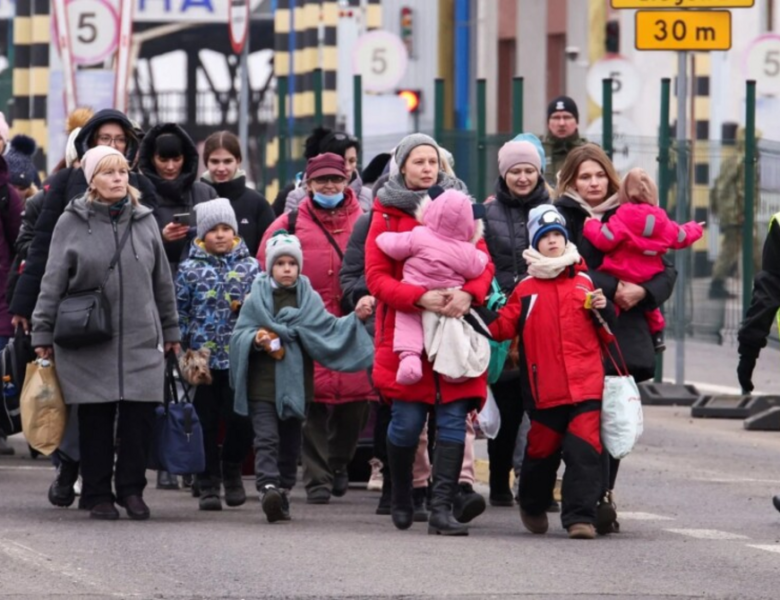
pixel 736 480
pixel 709 534
pixel 767 547
pixel 47 467
pixel 25 554
pixel 712 388
pixel 642 516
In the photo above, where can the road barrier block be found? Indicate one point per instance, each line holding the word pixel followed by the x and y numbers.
pixel 667 394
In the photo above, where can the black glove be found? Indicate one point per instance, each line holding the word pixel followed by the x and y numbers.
pixel 745 373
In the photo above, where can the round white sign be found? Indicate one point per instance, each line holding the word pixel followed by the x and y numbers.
pixel 238 24
pixel 624 141
pixel 762 63
pixel 626 83
pixel 381 58
pixel 93 27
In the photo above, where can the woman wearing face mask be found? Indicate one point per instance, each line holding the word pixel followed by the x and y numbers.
pixel 222 157
pixel 169 158
pixel 323 223
pixel 519 189
pixel 587 187
pixel 324 140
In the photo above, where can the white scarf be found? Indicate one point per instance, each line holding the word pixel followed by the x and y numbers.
pixel 594 211
pixel 545 267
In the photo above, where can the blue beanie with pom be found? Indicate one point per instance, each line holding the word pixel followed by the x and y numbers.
pixel 21 170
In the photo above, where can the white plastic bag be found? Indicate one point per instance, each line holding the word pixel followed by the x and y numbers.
pixel 489 418
pixel 621 415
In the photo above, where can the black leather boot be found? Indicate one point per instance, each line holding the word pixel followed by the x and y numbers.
pixel 235 494
pixel 384 500
pixel 447 463
pixel 419 495
pixel 401 504
pixel 61 490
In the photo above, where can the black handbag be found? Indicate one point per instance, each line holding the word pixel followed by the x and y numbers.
pixel 84 318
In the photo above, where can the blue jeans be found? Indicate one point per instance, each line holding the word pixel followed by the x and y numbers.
pixel 408 419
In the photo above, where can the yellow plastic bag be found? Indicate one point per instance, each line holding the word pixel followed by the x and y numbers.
pixel 44 414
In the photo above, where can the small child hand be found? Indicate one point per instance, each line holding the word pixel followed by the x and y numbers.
pixel 365 307
pixel 597 299
pixel 269 342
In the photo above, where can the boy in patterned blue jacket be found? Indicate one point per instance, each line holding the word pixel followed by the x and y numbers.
pixel 210 288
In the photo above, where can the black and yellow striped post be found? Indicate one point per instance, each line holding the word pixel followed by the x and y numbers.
pixel 39 79
pixel 374 14
pixel 20 117
pixel 330 61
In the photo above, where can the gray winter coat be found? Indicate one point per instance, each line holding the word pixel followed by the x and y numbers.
pixel 141 295
pixel 363 193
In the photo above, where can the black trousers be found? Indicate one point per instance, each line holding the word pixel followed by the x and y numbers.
pixel 574 428
pixel 214 404
pixel 501 449
pixel 97 442
pixel 277 446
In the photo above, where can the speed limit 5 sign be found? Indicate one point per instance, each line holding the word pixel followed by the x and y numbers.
pixel 762 63
pixel 381 58
pixel 93 27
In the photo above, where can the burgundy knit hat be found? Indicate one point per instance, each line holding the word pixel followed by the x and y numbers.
pixel 325 164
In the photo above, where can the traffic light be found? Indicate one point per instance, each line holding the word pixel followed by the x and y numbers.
pixel 412 98
pixel 612 37
pixel 407 30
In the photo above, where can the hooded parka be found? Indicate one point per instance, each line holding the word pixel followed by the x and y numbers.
pixel 140 292
pixel 179 195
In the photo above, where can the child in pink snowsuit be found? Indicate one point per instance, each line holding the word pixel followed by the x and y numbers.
pixel 637 236
pixel 440 254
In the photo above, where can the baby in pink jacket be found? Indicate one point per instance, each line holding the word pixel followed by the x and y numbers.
pixel 440 254
pixel 637 236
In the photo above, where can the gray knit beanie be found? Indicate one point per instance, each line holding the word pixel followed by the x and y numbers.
pixel 212 213
pixel 282 243
pixel 409 143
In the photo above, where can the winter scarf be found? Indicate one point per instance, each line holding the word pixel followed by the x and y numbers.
pixel 396 194
pixel 340 344
pixel 545 267
pixel 594 211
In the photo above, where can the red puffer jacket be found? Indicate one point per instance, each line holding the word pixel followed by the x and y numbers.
pixel 560 338
pixel 321 264
pixel 383 276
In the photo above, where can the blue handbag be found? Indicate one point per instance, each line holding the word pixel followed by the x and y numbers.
pixel 178 434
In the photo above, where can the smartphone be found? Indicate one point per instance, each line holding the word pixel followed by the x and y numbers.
pixel 181 219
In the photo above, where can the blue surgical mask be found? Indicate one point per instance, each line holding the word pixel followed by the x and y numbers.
pixel 328 201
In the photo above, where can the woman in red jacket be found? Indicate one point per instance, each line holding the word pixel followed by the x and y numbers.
pixel 323 223
pixel 419 165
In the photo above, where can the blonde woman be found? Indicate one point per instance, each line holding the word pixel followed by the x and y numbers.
pixel 125 374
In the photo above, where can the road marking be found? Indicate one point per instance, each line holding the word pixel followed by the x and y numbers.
pixel 736 480
pixel 642 516
pixel 712 388
pixel 27 468
pixel 23 553
pixel 709 534
pixel 767 547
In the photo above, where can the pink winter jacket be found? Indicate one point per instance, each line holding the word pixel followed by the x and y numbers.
pixel 635 239
pixel 321 264
pixel 441 253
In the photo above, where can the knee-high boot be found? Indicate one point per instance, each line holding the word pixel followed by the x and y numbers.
pixel 447 464
pixel 401 505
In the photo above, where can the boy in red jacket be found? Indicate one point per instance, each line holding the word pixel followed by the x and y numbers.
pixel 554 312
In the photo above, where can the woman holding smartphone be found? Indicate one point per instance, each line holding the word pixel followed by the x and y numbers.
pixel 169 158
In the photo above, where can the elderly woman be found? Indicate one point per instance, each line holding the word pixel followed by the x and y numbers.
pixel 419 165
pixel 125 374
pixel 587 187
pixel 323 223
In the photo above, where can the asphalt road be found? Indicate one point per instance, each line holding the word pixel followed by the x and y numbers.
pixel 694 504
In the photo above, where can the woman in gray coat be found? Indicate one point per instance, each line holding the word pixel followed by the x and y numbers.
pixel 124 375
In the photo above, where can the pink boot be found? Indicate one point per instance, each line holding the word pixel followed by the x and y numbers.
pixel 409 369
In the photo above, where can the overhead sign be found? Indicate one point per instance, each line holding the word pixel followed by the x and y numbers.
pixel 238 24
pixel 626 82
pixel 696 30
pixel 93 28
pixel 185 11
pixel 762 63
pixel 381 58
pixel 682 3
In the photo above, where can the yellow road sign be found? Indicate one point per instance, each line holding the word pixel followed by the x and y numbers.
pixel 683 30
pixel 682 3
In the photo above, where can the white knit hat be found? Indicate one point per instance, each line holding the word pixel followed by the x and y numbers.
pixel 282 243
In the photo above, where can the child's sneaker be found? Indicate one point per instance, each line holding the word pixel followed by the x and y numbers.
pixel 658 342
pixel 272 501
pixel 582 531
pixel 376 480
pixel 409 369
